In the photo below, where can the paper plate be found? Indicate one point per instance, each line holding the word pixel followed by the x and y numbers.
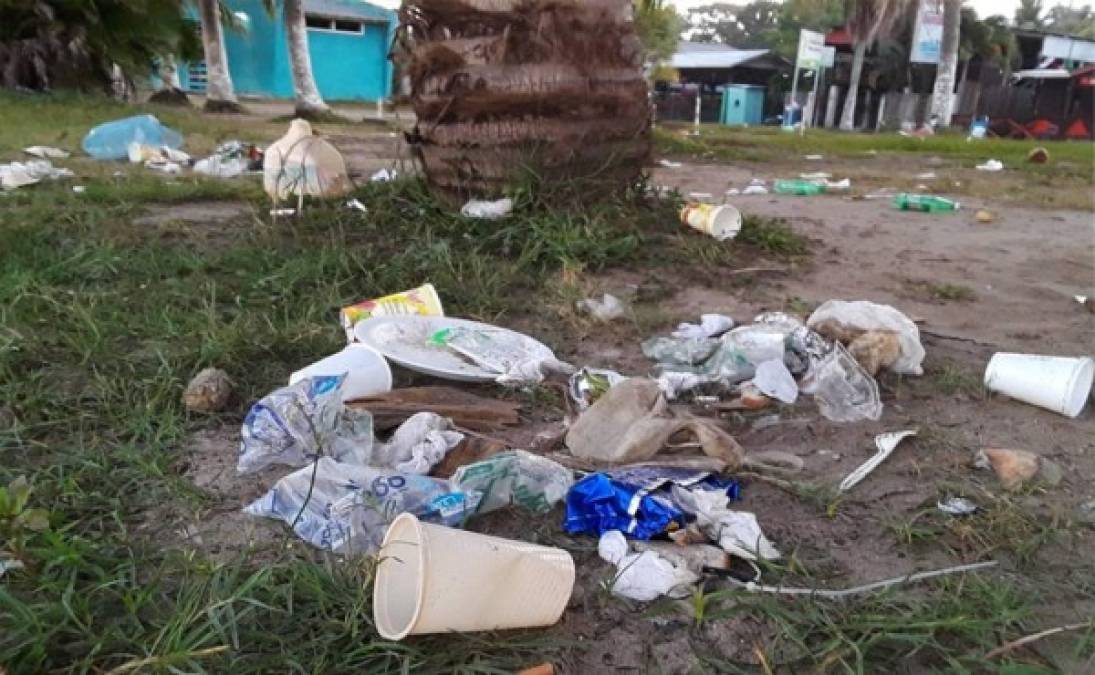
pixel 405 340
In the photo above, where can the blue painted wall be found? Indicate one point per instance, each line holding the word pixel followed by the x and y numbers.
pixel 347 66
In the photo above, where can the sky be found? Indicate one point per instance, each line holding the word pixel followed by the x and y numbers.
pixel 984 7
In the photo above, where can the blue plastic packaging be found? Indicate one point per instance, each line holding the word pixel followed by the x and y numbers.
pixel 111 140
pixel 636 500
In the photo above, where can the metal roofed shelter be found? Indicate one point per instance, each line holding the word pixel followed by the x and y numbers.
pixel 712 68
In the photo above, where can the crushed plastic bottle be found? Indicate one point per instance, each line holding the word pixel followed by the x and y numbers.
pixel 798 187
pixel 843 390
pixel 111 140
pixel 926 203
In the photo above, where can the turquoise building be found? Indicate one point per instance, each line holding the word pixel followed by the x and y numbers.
pixel 348 41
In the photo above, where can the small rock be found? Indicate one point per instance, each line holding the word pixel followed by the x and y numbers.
pixel 1085 513
pixel 1015 467
pixel 984 216
pixel 1050 472
pixel 208 391
pixel 7 418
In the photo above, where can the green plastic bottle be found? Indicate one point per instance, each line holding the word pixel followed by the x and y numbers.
pixel 926 203
pixel 798 187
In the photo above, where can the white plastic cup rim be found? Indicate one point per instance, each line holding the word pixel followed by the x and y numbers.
pixel 1058 383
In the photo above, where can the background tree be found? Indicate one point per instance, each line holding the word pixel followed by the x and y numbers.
pixel 794 15
pixel 1079 22
pixel 309 103
pixel 1029 14
pixel 745 26
pixel 659 28
pixel 943 92
pixel 867 20
pixel 220 94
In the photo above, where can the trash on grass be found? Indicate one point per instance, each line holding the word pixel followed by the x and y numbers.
pixel 710 325
pixel 669 165
pixel 588 385
pixel 19 174
pixel 79 189
pixel 356 205
pixel 111 140
pixel 991 165
pixel 643 576
pixel 282 213
pixel 885 443
pixel 632 422
pixel 1058 383
pixel 608 308
pixel 720 221
pixel 384 176
pixel 232 158
pixel 844 391
pixel 299 164
pixel 926 203
pixel 736 532
pixel 209 391
pixel 46 152
pixel 422 301
pixel 514 358
pixel 814 158
pixel 956 506
pixel 755 190
pixel 367 372
pixel 847 321
pixel 637 500
pixel 487 210
pixel 516 477
pixel 416 446
pixel 927 175
pixel 815 176
pixel 798 187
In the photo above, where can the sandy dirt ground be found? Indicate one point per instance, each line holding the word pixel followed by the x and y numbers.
pixel 1020 274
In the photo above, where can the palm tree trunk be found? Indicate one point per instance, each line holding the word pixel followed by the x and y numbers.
pixel 943 92
pixel 220 95
pixel 309 102
pixel 847 117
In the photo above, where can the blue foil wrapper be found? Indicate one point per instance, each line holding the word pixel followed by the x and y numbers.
pixel 636 500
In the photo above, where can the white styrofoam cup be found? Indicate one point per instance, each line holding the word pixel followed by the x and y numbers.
pixel 1058 383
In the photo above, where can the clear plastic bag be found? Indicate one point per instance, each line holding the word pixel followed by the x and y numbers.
pixel 844 391
pixel 516 477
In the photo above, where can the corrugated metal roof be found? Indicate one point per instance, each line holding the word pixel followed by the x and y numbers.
pixel 348 9
pixel 710 55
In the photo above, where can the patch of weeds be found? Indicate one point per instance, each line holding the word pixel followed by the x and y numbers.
pixel 948 292
pixel 773 236
pixel 951 379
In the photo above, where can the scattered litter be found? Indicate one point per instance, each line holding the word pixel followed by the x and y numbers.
pixel 927 175
pixel 416 446
pixel 1058 383
pixel 637 500
pixel 282 213
pixel 534 483
pixel 487 210
pixel 798 187
pixel 669 164
pixel 697 556
pixel 849 321
pixel 422 301
pixel 608 308
pixel 366 372
pixel 844 391
pixel 465 409
pixel 710 325
pixel 112 139
pixel 815 176
pixel 356 205
pixel 979 128
pixel 632 422
pixel 384 176
pixel 233 158
pixel 991 165
pixel 46 152
pixel 20 174
pixel 842 184
pixel 866 588
pixel 732 192
pixel 701 197
pixel 1087 301
pixel 643 576
pixel 720 221
pixel 957 506
pixel 79 189
pixel 984 216
pixel 926 203
pixel 588 385
pixel 209 391
pixel 1038 156
pixel 476 582
pixel 9 565
pixel 755 190
pixel 163 166
pixel 1016 467
pixel 301 164
pixel 737 532
pixel 886 443
pixel 774 380
pixel 814 158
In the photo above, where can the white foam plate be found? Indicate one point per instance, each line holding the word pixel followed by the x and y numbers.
pixel 404 340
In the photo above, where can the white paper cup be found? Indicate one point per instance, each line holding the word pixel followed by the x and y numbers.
pixel 1058 383
pixel 367 371
pixel 436 579
pixel 720 221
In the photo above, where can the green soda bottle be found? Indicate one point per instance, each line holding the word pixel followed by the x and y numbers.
pixel 926 203
pixel 798 187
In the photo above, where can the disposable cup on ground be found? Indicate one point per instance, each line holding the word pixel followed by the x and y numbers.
pixel 721 221
pixel 421 301
pixel 1058 383
pixel 367 371
pixel 435 579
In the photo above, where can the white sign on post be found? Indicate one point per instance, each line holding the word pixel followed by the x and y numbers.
pixel 811 48
pixel 828 57
pixel 928 36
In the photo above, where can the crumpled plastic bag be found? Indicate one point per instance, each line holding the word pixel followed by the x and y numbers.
pixel 846 321
pixel 737 532
pixel 486 209
pixel 587 385
pixel 350 506
pixel 710 325
pixel 417 445
pixel 295 424
pixel 516 359
pixel 774 380
pixel 643 576
pixel 608 308
pixel 632 422
pixel 516 477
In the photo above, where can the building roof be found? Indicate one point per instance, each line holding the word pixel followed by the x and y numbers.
pixel 712 55
pixel 348 9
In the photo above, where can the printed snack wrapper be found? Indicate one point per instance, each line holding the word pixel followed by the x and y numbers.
pixel 421 301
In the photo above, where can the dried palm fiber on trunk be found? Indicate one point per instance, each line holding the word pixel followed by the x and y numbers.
pixel 507 88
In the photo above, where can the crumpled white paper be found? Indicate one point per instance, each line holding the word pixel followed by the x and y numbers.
pixel 737 532
pixel 643 576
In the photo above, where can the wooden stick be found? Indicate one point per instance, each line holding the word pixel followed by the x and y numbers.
pixel 1014 644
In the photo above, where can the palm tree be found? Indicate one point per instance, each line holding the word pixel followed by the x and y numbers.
pixel 309 103
pixel 943 93
pixel 1029 14
pixel 220 95
pixel 867 21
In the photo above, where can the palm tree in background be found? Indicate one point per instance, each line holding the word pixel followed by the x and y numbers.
pixel 867 20
pixel 220 94
pixel 942 104
pixel 309 103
